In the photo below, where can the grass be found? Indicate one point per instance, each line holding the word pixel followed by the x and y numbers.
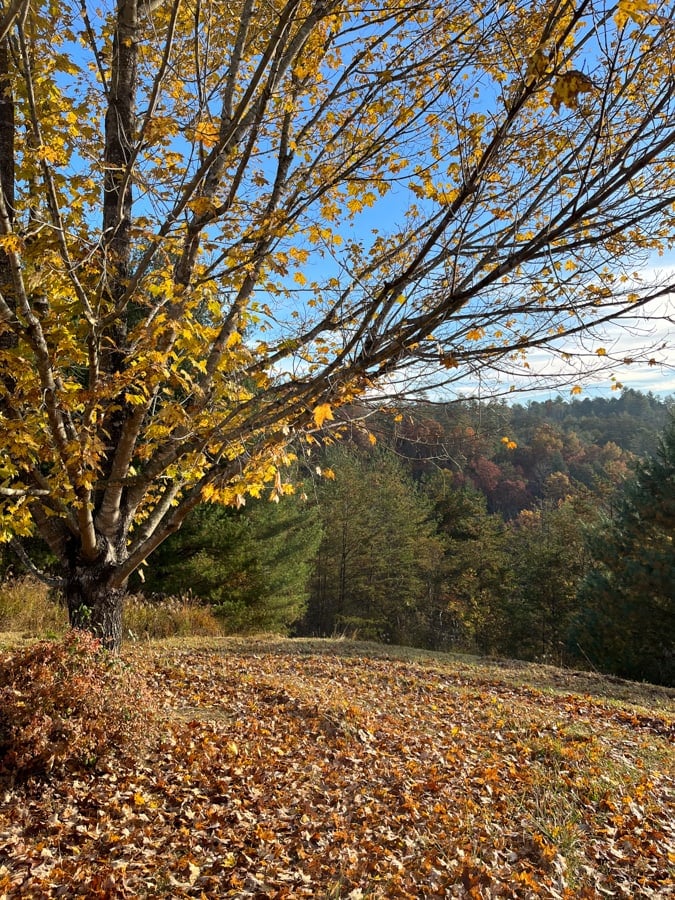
pixel 27 607
pixel 346 769
pixel 174 616
pixel 334 768
pixel 614 690
pixel 29 610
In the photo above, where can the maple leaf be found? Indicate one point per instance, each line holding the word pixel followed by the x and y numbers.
pixel 322 413
pixel 207 133
pixel 537 66
pixel 475 334
pixel 568 87
pixel 635 10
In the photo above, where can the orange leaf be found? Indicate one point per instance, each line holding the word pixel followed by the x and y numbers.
pixel 322 413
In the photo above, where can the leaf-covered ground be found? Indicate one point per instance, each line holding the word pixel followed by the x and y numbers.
pixel 299 770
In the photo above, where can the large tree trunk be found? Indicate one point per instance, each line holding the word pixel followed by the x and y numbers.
pixel 94 605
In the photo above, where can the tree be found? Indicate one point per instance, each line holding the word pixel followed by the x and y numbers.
pixel 378 557
pixel 549 560
pixel 193 265
pixel 627 619
pixel 474 575
pixel 251 564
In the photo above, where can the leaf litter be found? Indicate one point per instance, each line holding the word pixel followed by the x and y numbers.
pixel 282 775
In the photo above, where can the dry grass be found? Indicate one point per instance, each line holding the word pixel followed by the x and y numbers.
pixel 27 607
pixel 172 617
pixel 29 610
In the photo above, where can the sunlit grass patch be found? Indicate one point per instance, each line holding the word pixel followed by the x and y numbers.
pixel 171 617
pixel 28 606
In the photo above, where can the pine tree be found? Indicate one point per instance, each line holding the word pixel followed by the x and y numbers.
pixel 549 560
pixel 253 564
pixel 379 553
pixel 474 575
pixel 627 624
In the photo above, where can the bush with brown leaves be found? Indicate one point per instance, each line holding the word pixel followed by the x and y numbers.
pixel 66 706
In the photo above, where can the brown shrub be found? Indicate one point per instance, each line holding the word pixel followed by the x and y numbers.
pixel 66 705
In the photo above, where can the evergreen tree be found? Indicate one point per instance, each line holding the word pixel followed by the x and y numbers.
pixel 474 574
pixel 252 564
pixel 379 553
pixel 549 560
pixel 627 624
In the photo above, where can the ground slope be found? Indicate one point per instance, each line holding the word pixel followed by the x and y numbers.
pixel 326 769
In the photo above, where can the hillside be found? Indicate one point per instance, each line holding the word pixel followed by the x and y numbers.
pixel 340 770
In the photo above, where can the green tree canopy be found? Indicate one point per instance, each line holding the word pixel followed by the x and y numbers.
pixel 253 564
pixel 378 557
pixel 627 624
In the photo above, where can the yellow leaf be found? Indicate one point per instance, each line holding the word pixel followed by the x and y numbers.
pixel 601 351
pixel 536 66
pixel 637 10
pixel 195 872
pixel 12 243
pixel 207 134
pixel 322 413
pixel 202 206
pixel 448 196
pixel 576 389
pixel 567 88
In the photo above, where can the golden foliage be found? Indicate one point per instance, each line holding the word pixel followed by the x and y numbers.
pixel 215 230
pixel 568 87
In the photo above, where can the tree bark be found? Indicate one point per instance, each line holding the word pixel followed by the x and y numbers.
pixel 95 606
pixel 7 129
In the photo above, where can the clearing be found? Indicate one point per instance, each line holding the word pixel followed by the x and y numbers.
pixel 333 769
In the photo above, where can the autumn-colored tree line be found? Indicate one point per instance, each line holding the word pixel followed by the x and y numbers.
pixel 541 531
pixel 217 232
pixel 484 527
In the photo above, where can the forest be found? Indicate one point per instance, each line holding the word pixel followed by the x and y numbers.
pixel 540 531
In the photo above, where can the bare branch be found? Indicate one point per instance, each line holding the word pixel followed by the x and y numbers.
pixel 16 13
pixel 50 580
